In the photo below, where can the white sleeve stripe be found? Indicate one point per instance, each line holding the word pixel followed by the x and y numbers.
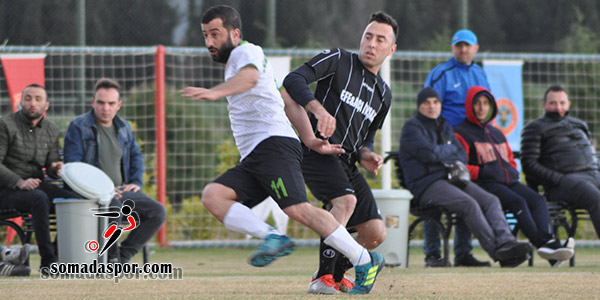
pixel 326 58
pixel 326 76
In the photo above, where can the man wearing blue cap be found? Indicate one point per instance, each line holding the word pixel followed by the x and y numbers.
pixel 452 80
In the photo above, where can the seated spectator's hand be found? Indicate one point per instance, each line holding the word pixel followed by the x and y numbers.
pixel 28 184
pixel 118 192
pixel 57 166
pixel 130 188
pixel 458 174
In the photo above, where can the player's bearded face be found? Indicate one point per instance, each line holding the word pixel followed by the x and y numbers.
pixel 221 54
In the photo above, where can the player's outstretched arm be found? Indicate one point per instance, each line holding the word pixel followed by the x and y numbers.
pixel 326 122
pixel 297 115
pixel 244 80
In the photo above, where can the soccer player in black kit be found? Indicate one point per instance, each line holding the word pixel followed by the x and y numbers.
pixel 349 104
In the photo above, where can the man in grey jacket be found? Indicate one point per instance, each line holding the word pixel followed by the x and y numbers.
pixel 28 145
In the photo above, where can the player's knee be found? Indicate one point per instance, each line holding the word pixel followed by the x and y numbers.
pixel 210 196
pixel 296 212
pixel 346 203
pixel 377 235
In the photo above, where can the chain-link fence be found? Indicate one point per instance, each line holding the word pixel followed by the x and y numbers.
pixel 199 142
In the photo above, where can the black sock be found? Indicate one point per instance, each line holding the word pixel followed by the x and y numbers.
pixel 327 259
pixel 342 265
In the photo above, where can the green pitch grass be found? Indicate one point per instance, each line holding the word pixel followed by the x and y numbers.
pixel 225 274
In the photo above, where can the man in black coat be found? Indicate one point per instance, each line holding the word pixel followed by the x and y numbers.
pixel 556 152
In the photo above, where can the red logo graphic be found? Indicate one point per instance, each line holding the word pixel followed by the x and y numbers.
pixel 507 117
pixel 115 229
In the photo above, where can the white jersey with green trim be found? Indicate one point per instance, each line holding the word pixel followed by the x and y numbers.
pixel 258 113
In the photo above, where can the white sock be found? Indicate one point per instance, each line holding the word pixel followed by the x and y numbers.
pixel 240 218
pixel 342 241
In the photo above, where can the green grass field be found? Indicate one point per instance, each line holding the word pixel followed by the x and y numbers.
pixel 224 274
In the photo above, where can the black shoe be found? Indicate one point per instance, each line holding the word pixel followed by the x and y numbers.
pixel 555 263
pixel 513 262
pixel 436 261
pixel 513 250
pixel 470 261
pixel 8 269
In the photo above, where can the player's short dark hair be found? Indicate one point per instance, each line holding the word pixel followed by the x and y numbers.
pixel 382 17
pixel 553 88
pixel 35 85
pixel 230 17
pixel 106 83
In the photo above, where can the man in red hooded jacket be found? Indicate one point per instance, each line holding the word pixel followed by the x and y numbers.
pixel 492 166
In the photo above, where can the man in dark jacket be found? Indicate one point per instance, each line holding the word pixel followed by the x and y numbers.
pixel 492 166
pixel 29 143
pixel 557 153
pixel 427 146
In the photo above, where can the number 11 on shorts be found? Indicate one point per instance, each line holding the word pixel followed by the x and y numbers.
pixel 279 186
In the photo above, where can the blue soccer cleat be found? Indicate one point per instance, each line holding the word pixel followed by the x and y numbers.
pixel 366 275
pixel 272 248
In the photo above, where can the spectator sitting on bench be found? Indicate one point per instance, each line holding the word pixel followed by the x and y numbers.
pixel 29 143
pixel 427 147
pixel 103 139
pixel 557 153
pixel 12 261
pixel 492 166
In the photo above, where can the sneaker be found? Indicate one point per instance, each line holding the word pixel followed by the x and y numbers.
pixel 514 262
pixel 470 261
pixel 17 255
pixel 553 250
pixel 272 248
pixel 512 251
pixel 366 274
pixel 8 269
pixel 436 261
pixel 570 243
pixel 323 285
pixel 555 263
pixel 346 284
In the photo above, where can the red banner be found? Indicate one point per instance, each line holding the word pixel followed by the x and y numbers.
pixel 20 71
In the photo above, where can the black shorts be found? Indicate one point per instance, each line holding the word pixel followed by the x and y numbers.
pixel 271 169
pixel 329 177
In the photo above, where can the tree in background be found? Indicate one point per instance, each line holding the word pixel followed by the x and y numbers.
pixel 508 26
pixel 108 22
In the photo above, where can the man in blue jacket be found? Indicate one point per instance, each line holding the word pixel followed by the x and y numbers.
pixel 427 147
pixel 451 80
pixel 492 166
pixel 103 139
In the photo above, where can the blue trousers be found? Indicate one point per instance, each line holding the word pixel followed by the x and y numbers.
pixel 529 207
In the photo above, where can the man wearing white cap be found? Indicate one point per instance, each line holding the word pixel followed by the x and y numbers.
pixel 452 80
